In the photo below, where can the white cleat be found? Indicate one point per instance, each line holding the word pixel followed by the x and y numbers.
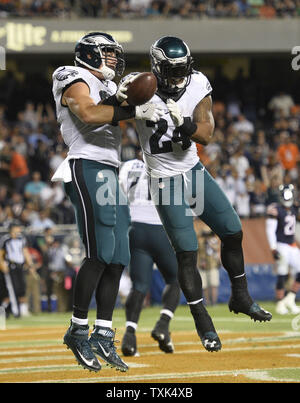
pixel 281 309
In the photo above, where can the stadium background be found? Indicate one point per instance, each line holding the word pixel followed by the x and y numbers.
pixel 244 47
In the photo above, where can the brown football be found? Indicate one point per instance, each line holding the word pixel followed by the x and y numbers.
pixel 141 89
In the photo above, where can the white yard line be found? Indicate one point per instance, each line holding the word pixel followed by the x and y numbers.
pixel 181 375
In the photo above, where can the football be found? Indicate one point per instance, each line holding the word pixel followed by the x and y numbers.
pixel 141 89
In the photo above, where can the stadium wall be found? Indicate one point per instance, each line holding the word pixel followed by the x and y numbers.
pixel 204 36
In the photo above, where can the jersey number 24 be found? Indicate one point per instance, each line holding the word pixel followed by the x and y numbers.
pixel 166 146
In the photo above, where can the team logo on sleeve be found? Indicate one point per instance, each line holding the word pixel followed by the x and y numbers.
pixel 208 86
pixel 64 73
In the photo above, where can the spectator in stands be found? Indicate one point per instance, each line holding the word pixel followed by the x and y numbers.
pixel 281 105
pixel 32 116
pixel 39 160
pixel 129 148
pixel 267 10
pixel 33 282
pixel 44 241
pixel 288 154
pixel 273 190
pixel 272 169
pixel 243 125
pixel 242 198
pixel 3 195
pixel 52 195
pixel 18 142
pixel 17 167
pixel 34 187
pixel 258 200
pixel 38 136
pixel 57 253
pixel 42 221
pixel 240 162
pixel 227 183
pixel 17 205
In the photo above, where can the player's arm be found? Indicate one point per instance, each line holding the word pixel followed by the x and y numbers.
pixel 77 98
pixel 204 120
pixel 271 227
pixel 201 127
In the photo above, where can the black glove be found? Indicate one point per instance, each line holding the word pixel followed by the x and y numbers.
pixel 275 254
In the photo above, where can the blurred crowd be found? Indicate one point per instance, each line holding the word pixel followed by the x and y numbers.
pixel 150 8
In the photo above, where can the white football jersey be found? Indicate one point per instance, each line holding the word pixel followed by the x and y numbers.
pixel 164 151
pixel 93 142
pixel 133 179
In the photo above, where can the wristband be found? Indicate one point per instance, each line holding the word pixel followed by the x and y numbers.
pixel 123 113
pixel 188 127
pixel 112 101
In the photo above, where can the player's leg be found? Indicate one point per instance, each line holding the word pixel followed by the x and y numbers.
pixel 289 301
pixel 282 270
pixel 96 227
pixel 102 337
pixel 20 290
pixel 220 216
pixel 166 262
pixel 140 271
pixel 180 229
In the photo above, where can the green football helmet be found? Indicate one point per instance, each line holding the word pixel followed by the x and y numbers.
pixel 171 63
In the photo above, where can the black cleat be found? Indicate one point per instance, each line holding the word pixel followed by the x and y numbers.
pixel 163 336
pixel 211 341
pixel 128 347
pixel 243 303
pixel 76 338
pixel 205 328
pixel 102 341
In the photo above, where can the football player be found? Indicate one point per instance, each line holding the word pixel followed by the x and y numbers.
pixel 89 107
pixel 149 244
pixel 179 180
pixel 280 230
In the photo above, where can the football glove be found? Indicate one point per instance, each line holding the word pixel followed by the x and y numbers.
pixel 122 89
pixel 185 125
pixel 175 112
pixel 149 111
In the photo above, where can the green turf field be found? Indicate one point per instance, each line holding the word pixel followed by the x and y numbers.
pixel 31 350
pixel 223 320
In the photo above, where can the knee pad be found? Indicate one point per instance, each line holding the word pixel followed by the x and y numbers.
pixel 281 280
pixel 233 241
